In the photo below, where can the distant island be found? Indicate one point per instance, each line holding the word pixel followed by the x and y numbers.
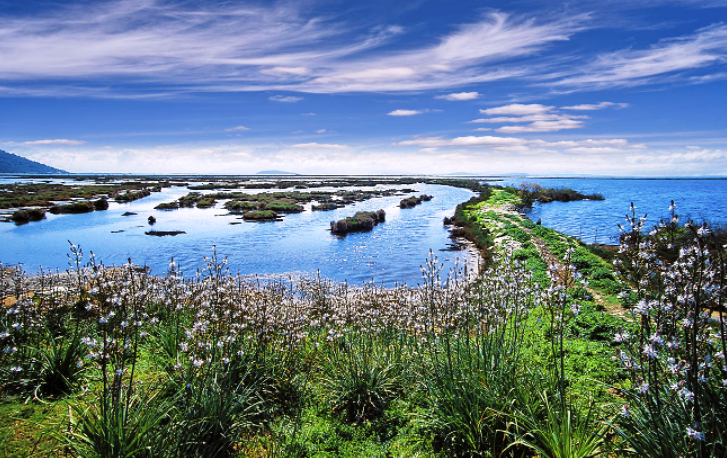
pixel 11 163
pixel 274 172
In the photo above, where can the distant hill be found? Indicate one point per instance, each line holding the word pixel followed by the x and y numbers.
pixel 10 163
pixel 274 172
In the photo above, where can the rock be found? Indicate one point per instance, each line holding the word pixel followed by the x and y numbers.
pixel 164 233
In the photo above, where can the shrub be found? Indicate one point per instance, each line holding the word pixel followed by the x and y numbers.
pixel 25 216
pixel 76 207
pixel 101 204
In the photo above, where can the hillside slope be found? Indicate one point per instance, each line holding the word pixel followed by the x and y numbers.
pixel 11 163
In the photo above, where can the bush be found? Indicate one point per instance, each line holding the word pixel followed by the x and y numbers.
pixel 361 221
pixel 101 204
pixel 76 207
pixel 26 216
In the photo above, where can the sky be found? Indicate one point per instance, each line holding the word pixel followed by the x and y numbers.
pixel 607 87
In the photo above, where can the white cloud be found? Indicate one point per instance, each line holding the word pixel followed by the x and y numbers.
pixel 589 143
pixel 482 129
pixel 286 99
pixel 518 109
pixel 59 141
pixel 596 106
pixel 300 71
pixel 459 96
pixel 528 118
pixel 632 67
pixel 138 47
pixel 407 112
pixel 320 146
pixel 542 126
pixel 541 118
pixel 602 156
pixel 321 131
pixel 487 141
pixel 237 129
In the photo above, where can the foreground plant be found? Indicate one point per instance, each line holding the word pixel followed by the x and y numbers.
pixel 674 278
pixel 130 426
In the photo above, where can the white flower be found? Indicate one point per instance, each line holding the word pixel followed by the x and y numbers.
pixel 650 352
pixel 686 394
pixel 694 434
pixel 625 411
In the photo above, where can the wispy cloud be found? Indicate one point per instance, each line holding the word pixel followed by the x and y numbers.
pixel 58 141
pixel 518 109
pixel 320 146
pixel 596 106
pixel 286 98
pixel 633 67
pixel 541 118
pixel 190 46
pixel 237 129
pixel 542 126
pixel 437 142
pixel 459 96
pixel 407 112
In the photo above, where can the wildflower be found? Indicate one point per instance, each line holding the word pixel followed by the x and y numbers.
pixel 650 352
pixel 694 434
pixel 119 372
pixel 576 309
pixel 644 388
pixel 686 394
pixel 656 339
pixel 16 369
pixel 88 341
pixel 625 411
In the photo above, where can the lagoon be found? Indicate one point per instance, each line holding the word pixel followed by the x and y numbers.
pixel 300 244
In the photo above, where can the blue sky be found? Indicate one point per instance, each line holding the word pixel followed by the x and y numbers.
pixel 608 87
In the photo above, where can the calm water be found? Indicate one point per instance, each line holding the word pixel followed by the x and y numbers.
pixel 301 243
pixel 597 221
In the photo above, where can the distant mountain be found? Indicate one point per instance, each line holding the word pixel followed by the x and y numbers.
pixel 274 172
pixel 10 163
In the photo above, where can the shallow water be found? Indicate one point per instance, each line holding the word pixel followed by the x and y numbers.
pixel 300 244
pixel 597 221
